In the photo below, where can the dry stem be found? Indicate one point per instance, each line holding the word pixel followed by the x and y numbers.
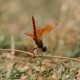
pixel 43 56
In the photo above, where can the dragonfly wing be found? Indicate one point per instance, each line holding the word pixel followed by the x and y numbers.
pixel 30 34
pixel 46 29
pixel 39 33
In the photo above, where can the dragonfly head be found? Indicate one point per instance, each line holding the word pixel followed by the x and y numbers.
pixel 44 49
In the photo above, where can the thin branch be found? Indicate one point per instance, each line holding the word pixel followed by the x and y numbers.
pixel 43 56
pixel 21 51
pixel 60 57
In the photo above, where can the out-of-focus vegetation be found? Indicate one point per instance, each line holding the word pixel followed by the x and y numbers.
pixel 39 69
pixel 15 18
pixel 64 40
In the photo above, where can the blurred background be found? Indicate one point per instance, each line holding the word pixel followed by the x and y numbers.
pixel 15 20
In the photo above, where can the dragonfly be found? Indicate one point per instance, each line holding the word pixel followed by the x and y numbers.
pixel 37 35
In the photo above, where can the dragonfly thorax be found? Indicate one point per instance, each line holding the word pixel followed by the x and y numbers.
pixel 39 43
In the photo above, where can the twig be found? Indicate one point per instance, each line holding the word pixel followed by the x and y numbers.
pixel 43 56
pixel 60 57
pixel 21 51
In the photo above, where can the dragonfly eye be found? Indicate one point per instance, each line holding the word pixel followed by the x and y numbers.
pixel 44 49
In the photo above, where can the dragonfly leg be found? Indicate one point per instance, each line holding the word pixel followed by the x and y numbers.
pixel 35 48
pixel 39 52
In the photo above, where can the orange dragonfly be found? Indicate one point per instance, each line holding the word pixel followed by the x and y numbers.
pixel 37 36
